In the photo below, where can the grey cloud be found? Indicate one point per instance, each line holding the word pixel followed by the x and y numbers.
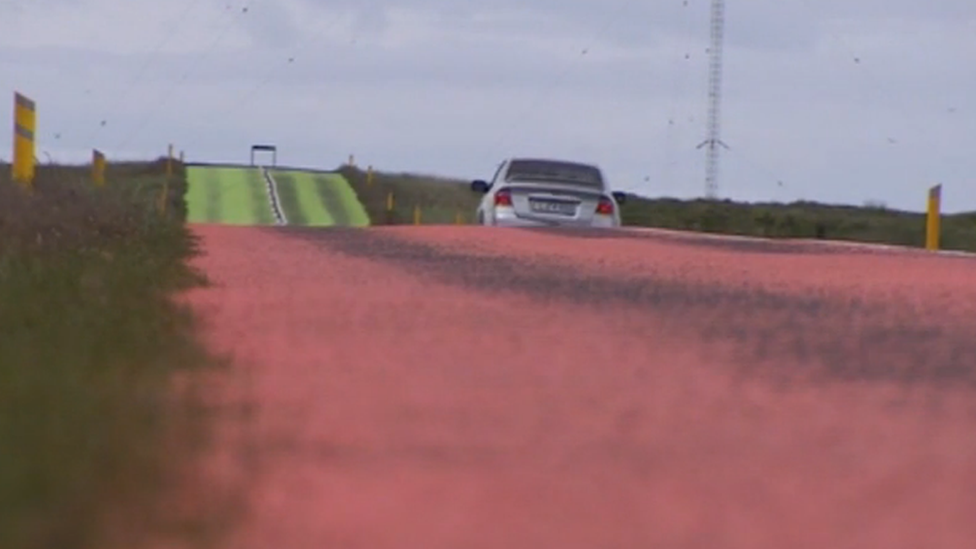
pixel 271 25
pixel 754 24
pixel 798 108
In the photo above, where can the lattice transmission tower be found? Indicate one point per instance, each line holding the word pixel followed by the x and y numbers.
pixel 713 142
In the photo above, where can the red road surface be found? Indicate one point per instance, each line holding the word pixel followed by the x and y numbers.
pixel 456 388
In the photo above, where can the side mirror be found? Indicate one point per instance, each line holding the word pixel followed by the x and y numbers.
pixel 479 186
pixel 620 197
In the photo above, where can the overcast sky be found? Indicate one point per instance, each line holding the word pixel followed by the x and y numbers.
pixel 832 100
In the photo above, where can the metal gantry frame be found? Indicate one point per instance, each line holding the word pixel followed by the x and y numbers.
pixel 713 141
pixel 265 148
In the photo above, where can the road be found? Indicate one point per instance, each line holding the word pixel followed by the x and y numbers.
pixel 461 387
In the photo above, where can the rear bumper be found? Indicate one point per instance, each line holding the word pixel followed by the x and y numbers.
pixel 503 218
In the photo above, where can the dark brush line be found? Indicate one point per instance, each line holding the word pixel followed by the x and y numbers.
pixel 838 338
pixel 280 218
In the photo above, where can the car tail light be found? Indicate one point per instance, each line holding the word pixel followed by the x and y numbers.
pixel 605 206
pixel 503 198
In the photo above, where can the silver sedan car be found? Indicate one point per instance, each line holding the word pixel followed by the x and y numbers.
pixel 532 192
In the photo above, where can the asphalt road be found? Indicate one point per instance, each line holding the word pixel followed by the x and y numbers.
pixel 461 387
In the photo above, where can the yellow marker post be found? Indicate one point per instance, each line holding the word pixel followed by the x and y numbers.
pixel 163 198
pixel 458 219
pixel 416 215
pixel 98 168
pixel 389 208
pixel 932 222
pixel 369 176
pixel 25 125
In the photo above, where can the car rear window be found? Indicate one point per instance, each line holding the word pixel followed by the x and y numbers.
pixel 549 170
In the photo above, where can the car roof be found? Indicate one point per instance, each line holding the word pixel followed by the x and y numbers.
pixel 554 160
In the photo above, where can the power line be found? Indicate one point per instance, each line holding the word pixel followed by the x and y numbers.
pixel 169 92
pixel 275 72
pixel 175 25
pixel 864 66
pixel 96 30
pixel 678 70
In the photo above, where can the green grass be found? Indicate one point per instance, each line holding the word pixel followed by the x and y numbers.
pixel 339 193
pixel 318 199
pixel 90 341
pixel 239 196
pixel 233 196
pixel 799 220
pixel 300 200
pixel 440 199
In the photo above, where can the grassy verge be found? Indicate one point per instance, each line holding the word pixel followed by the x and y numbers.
pixel 90 341
pixel 441 199
pixel 799 220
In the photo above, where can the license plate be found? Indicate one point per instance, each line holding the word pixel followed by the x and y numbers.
pixel 561 208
